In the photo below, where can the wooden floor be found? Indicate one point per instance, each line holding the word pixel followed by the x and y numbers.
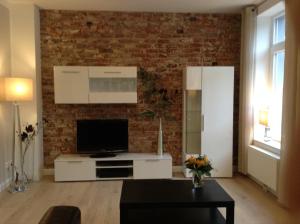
pixel 99 202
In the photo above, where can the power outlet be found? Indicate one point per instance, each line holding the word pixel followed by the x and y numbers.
pixel 8 165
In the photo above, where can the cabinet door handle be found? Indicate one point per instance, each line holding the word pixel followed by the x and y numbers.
pixel 75 161
pixel 202 122
pixel 152 160
pixel 71 72
pixel 112 72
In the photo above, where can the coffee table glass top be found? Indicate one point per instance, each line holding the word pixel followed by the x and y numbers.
pixel 171 193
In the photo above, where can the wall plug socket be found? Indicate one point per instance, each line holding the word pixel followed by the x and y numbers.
pixel 8 165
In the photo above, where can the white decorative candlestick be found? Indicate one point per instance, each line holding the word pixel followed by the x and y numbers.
pixel 160 147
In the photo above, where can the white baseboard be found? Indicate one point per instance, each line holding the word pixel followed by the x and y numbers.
pixel 4 184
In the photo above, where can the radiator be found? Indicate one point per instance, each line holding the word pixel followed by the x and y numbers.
pixel 263 166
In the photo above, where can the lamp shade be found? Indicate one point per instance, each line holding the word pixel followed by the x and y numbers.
pixel 15 89
pixel 264 117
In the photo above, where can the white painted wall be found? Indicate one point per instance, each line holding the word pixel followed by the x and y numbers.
pixel 5 108
pixel 20 56
pixel 25 62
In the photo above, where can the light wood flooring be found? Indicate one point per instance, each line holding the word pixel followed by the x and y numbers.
pixel 99 202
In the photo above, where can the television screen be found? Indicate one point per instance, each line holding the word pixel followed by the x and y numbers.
pixel 100 136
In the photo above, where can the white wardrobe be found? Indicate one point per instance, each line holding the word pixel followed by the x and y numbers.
pixel 208 116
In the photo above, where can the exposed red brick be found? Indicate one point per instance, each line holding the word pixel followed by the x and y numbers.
pixel 162 42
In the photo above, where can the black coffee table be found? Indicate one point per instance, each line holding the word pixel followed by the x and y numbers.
pixel 174 201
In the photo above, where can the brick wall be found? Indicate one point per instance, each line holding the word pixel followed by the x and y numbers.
pixel 160 42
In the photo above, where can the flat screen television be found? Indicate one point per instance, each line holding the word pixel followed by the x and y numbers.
pixel 102 136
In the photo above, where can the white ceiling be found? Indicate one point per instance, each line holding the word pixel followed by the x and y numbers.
pixel 201 6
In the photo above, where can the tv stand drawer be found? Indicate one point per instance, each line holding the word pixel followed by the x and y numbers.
pixel 152 169
pixel 74 170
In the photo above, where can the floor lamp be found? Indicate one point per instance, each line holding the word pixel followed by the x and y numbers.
pixel 16 90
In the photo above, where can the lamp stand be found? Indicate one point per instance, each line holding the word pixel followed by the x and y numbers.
pixel 266 136
pixel 18 183
pixel 12 187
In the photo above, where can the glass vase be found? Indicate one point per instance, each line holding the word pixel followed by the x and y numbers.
pixel 198 180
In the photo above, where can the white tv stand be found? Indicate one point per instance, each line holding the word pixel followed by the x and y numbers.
pixel 75 167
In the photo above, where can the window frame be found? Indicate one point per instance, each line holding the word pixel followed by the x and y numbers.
pixel 274 49
pixel 273 146
pixel 278 15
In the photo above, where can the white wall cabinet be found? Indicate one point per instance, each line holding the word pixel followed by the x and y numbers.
pixel 104 84
pixel 208 116
pixel 71 84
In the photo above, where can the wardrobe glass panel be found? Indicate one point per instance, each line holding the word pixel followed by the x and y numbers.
pixel 193 121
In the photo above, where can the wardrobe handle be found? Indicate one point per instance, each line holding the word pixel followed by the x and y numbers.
pixel 202 122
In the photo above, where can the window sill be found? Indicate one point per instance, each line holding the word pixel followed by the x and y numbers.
pixel 270 146
pixel 266 152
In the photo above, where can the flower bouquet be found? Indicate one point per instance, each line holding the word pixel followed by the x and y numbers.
pixel 199 166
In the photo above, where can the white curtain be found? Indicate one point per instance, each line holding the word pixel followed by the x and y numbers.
pixel 289 180
pixel 246 85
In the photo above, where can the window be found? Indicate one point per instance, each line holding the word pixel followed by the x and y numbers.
pixel 279 29
pixel 269 76
pixel 277 64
